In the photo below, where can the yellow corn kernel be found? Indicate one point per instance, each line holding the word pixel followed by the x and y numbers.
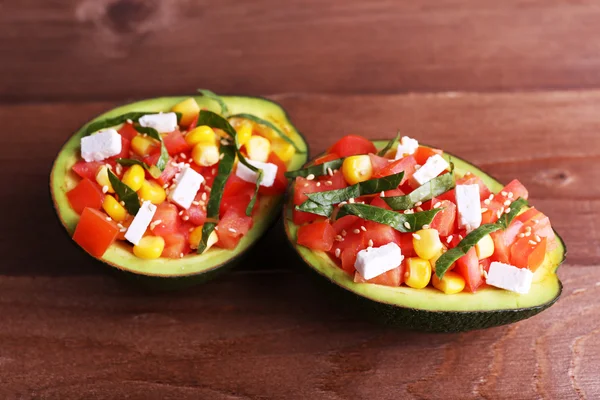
pixel 418 272
pixel 357 169
pixel 114 209
pixel 143 145
pixel 437 255
pixel 284 150
pixel 258 148
pixel 196 236
pixel 149 247
pixel 201 134
pixel 244 131
pixel 451 283
pixel 152 192
pixel 205 154
pixel 134 177
pixel 427 243
pixel 189 110
pixel 103 181
pixel 485 247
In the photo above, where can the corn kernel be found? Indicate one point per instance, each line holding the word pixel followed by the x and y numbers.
pixel 114 209
pixel 201 134
pixel 485 247
pixel 149 247
pixel 196 236
pixel 102 178
pixel 437 255
pixel 284 150
pixel 143 145
pixel 419 272
pixel 357 169
pixel 451 283
pixel 244 131
pixel 189 110
pixel 134 177
pixel 258 148
pixel 205 154
pixel 428 244
pixel 152 192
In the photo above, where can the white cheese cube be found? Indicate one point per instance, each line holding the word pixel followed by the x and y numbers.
pixel 101 145
pixel 434 166
pixel 406 146
pixel 140 222
pixel 505 276
pixel 375 261
pixel 166 122
pixel 187 184
pixel 269 172
pixel 468 205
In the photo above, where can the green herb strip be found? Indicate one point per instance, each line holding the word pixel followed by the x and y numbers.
pixel 400 222
pixel 118 120
pixel 162 161
pixel 126 194
pixel 435 187
pixel 217 98
pixel 316 170
pixel 270 125
pixel 214 202
pixel 389 146
pixel 152 169
pixel 450 257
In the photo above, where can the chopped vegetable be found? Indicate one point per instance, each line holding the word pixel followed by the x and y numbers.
pixel 127 195
pixel 400 222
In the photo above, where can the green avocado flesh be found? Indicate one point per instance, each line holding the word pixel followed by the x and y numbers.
pixel 119 255
pixel 429 308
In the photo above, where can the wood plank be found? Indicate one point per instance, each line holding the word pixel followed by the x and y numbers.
pixel 81 49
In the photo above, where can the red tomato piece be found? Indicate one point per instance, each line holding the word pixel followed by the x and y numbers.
pixel 393 277
pixel 232 226
pixel 237 195
pixel 168 214
pixel 445 220
pixel 380 234
pixel 405 241
pixel 88 169
pixel 504 239
pixel 128 132
pixel 302 186
pixel 175 143
pixel 337 182
pixel 496 205
pixel 525 254
pixel 197 213
pixel 325 158
pixel 316 236
pixel 281 182
pixel 125 144
pixel 377 201
pixel 468 267
pixel 349 248
pixel 175 245
pixel 85 194
pixel 94 233
pixel 344 224
pixel 378 163
pixel 406 164
pixel 352 145
pixel 423 153
pixel 168 173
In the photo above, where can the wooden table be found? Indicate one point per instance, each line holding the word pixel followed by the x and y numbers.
pixel 512 86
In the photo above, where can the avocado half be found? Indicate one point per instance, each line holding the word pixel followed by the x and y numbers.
pixel 166 273
pixel 429 309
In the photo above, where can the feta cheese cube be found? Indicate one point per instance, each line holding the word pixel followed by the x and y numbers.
pixel 101 145
pixel 269 172
pixel 406 146
pixel 187 184
pixel 505 276
pixel 166 122
pixel 468 205
pixel 434 166
pixel 140 222
pixel 375 261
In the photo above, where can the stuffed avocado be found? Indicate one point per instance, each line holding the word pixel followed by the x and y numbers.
pixel 421 238
pixel 176 187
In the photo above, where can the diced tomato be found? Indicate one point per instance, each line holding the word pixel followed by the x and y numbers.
pixel 85 194
pixel 302 186
pixel 349 248
pixel 393 277
pixel 209 173
pixel 232 227
pixel 445 220
pixel 485 264
pixel 468 267
pixel 471 179
pixel 394 192
pixel 497 203
pixel 168 214
pixel 237 195
pixel 88 169
pixel 337 182
pixel 94 233
pixel 423 153
pixel 325 158
pixel 344 224
pixel 128 131
pixel 377 201
pixel 281 182
pixel 175 143
pixel 197 214
pixel 540 225
pixel 352 145
pixel 175 245
pixel 125 144
pixel 504 239
pixel 524 254
pixel 406 164
pixel 168 173
pixel 316 236
pixel 378 163
pixel 380 234
pixel 405 241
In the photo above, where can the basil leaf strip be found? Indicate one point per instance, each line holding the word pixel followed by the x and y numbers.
pixel 152 169
pixel 270 125
pixel 118 120
pixel 161 164
pixel 316 170
pixel 216 121
pixel 435 187
pixel 217 98
pixel 389 146
pixel 315 208
pixel 400 222
pixel 449 257
pixel 227 153
pixel 126 194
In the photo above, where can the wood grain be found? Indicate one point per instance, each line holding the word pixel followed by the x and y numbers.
pixel 70 330
pixel 115 49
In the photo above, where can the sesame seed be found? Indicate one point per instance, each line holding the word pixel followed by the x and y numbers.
pixel 232 230
pixel 191 229
pixel 305 184
pixel 221 156
pixel 507 203
pixel 180 213
pixel 406 225
pixel 104 188
pixel 487 202
pixel 329 172
pixel 344 233
pixel 532 242
pixel 343 203
pixel 491 197
pixel 185 217
pixel 426 226
pixel 416 236
pixel 419 209
pixel 144 135
pixel 119 169
pixel 483 210
pixel 370 243
pixel 382 194
pixel 120 225
pixel 485 275
pixel 460 237
pixel 503 193
pixel 521 235
pixel 224 142
pixel 180 255
pixel 449 239
pixel 338 252
pixel 510 195
pixel 537 238
pixel 527 229
pixel 362 228
pixel 409 211
pixel 108 218
pixel 507 210
pixel 129 121
pixel 182 155
pixel 122 203
pixel 437 205
pixel 418 203
pixel 339 238
pixel 527 234
pixel 417 167
pixel 351 200
pixel 196 203
pixel 310 177
pixel 328 183
pixel 356 231
pixel 123 229
pixel 318 184
pixel 109 166
pixel 535 221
